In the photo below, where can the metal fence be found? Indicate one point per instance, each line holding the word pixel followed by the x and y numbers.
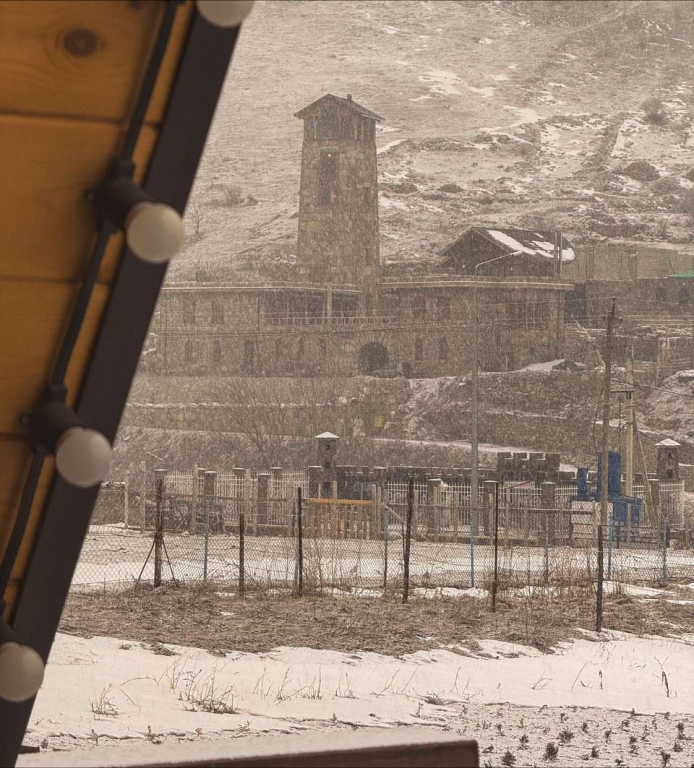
pixel 245 528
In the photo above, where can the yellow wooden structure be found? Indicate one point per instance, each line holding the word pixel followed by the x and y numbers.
pixel 83 83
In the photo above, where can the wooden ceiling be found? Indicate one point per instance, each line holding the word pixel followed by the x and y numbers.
pixel 71 72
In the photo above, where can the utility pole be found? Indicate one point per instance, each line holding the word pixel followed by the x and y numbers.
pixel 629 448
pixel 474 427
pixel 607 394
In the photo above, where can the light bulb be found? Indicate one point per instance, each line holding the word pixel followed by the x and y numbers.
pixel 21 672
pixel 83 456
pixel 225 13
pixel 154 232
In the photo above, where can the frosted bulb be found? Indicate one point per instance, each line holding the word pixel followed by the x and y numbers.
pixel 225 13
pixel 154 232
pixel 83 457
pixel 21 672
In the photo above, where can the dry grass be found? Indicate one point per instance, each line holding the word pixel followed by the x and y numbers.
pixel 192 615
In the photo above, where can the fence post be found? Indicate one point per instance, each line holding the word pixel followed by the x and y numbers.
pixel 209 491
pixel 126 508
pixel 495 583
pixel 242 554
pixel 385 511
pixel 433 501
pixel 665 542
pixel 143 497
pixel 263 494
pixel 549 501
pixel 159 481
pixel 610 535
pixel 300 540
pixel 546 527
pixel 629 518
pixel 408 539
pixel 193 522
pixel 338 516
pixel 247 493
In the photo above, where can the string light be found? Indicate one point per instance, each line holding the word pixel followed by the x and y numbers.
pixel 154 231
pixel 225 13
pixel 21 667
pixel 83 456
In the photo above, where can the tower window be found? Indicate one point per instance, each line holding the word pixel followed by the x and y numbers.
pixel 420 306
pixel 418 350
pixel 189 312
pixel 188 351
pixel 216 351
pixel 443 350
pixel 328 177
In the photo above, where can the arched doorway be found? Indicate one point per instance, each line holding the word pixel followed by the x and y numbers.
pixel 372 357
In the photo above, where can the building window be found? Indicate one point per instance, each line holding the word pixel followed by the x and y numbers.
pixel 328 177
pixel 684 294
pixel 300 353
pixel 216 351
pixel 249 355
pixel 323 346
pixel 418 350
pixel 443 350
pixel 443 307
pixel 189 312
pixel 420 306
pixel 188 351
pixel 217 312
pixel 660 292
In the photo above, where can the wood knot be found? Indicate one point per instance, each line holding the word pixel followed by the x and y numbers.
pixel 80 42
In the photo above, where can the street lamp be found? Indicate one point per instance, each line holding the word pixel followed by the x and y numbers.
pixel 474 475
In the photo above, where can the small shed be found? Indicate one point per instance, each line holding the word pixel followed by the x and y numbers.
pixel 539 252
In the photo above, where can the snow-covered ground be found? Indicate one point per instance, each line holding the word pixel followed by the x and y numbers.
pixel 102 690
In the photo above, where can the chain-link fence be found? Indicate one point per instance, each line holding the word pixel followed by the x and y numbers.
pixel 249 529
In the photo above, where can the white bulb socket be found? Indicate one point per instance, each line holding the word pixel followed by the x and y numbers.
pixel 83 456
pixel 21 672
pixel 225 13
pixel 154 232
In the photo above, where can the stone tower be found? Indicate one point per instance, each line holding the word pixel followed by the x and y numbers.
pixel 338 207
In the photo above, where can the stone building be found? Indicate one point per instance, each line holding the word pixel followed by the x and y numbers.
pixel 340 317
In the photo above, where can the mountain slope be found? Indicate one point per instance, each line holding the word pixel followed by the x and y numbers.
pixel 495 112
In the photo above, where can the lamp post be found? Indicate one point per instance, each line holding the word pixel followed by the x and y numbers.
pixel 474 440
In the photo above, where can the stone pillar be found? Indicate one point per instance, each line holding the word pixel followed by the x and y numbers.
pixel 489 502
pixel 655 518
pixel 315 475
pixel 549 502
pixel 263 494
pixel 433 504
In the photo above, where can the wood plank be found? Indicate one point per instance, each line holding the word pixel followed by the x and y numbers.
pixel 15 455
pixel 33 317
pixel 375 748
pixel 82 58
pixel 49 165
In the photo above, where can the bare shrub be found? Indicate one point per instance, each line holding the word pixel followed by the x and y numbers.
pixel 654 110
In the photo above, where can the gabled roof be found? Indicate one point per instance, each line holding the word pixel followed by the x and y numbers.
pixel 326 436
pixel 539 243
pixel 352 105
pixel 669 443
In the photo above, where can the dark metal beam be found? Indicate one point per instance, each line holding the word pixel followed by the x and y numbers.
pixel 65 522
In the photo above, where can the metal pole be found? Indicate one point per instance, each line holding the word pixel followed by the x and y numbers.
pixel 474 431
pixel 664 546
pixel 495 583
pixel 242 554
pixel 605 460
pixel 386 526
pixel 207 538
pixel 160 475
pixel 610 534
pixel 300 539
pixel 629 448
pixel 408 539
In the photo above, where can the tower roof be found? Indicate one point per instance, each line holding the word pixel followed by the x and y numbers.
pixel 347 103
pixel 326 436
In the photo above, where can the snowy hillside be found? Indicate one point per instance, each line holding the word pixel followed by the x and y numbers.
pixel 513 113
